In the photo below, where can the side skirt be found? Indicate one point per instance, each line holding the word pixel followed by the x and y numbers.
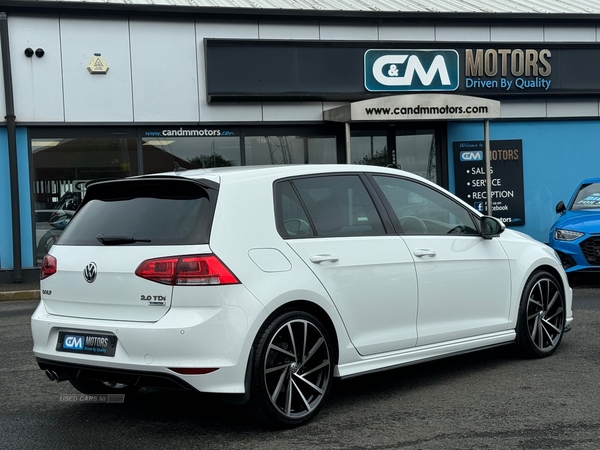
pixel 422 354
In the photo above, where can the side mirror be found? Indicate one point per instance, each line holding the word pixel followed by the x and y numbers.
pixel 560 207
pixel 491 227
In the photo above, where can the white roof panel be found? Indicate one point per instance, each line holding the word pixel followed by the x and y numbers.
pixel 397 6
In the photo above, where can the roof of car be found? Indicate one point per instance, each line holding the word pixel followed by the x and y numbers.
pixel 279 171
pixel 591 180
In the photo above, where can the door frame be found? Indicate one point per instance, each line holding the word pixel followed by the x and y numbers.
pixel 390 128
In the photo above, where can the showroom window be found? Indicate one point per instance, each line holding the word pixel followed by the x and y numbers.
pixel 164 153
pixel 369 147
pixel 65 159
pixel 61 166
pixel 416 148
pixel 294 149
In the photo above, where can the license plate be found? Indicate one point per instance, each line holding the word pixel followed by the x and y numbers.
pixel 86 343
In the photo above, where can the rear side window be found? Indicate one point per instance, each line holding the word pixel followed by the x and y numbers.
pixel 295 220
pixel 337 205
pixel 142 212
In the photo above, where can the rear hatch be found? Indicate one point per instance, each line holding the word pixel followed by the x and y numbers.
pixel 119 226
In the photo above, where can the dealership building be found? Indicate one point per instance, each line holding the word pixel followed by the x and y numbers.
pixel 443 89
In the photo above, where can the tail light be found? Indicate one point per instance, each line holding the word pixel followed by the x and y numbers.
pixel 192 270
pixel 48 267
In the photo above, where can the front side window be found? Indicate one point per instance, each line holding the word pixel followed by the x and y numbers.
pixel 419 209
pixel 328 206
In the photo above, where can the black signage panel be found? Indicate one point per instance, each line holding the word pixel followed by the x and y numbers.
pixel 506 160
pixel 258 70
pixel 263 70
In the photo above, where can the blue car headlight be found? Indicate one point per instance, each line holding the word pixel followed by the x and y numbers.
pixel 566 235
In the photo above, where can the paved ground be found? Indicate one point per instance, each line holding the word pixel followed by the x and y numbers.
pixel 488 400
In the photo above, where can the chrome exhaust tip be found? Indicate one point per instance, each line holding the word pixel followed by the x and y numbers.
pixel 56 376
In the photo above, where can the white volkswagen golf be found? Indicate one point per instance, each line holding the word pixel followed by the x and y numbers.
pixel 265 283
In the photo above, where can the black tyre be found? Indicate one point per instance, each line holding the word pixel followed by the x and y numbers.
pixel 541 321
pixel 92 387
pixel 292 370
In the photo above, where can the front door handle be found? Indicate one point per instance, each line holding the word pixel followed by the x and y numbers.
pixel 318 259
pixel 421 252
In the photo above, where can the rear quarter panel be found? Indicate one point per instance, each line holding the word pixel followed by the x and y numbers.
pixel 243 227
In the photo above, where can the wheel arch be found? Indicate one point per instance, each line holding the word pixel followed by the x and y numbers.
pixel 552 270
pixel 295 305
pixel 315 310
pixel 541 268
pixel 259 402
pixel 530 339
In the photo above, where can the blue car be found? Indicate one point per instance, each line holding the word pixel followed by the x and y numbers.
pixel 576 234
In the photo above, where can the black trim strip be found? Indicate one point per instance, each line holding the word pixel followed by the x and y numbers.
pixel 129 377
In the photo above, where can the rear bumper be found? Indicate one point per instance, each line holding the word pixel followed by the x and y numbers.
pixel 61 371
pixel 186 337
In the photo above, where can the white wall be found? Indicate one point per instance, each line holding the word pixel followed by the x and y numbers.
pixel 164 70
pixel 37 82
pixel 96 98
pixel 157 67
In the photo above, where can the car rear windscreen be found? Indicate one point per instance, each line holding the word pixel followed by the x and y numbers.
pixel 142 212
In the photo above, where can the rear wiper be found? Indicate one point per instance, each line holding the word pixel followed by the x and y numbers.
pixel 119 240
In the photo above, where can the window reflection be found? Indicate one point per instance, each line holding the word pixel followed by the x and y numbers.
pixel 416 153
pixel 62 167
pixel 415 150
pixel 267 150
pixel 162 153
pixel 369 148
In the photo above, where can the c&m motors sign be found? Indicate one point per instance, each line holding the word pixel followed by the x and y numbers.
pixel 411 70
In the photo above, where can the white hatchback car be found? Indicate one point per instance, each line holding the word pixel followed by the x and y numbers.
pixel 265 283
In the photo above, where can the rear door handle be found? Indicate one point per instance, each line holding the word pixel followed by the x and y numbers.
pixel 421 252
pixel 318 259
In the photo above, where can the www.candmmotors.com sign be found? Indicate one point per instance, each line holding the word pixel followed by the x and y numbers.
pixel 420 106
pixel 411 70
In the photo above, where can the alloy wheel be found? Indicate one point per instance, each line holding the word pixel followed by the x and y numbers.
pixel 297 368
pixel 545 315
